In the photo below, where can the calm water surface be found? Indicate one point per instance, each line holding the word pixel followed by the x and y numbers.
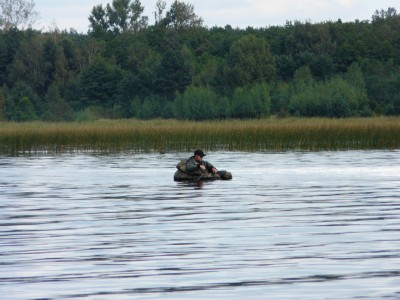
pixel 314 225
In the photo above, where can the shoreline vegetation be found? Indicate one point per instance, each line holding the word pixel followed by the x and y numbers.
pixel 125 67
pixel 269 134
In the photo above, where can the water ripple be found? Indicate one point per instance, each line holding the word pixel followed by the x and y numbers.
pixel 322 225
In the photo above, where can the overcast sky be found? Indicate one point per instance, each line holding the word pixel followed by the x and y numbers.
pixel 237 13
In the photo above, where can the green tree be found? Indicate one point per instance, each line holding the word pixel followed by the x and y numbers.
pixel 380 16
pixel 64 67
pixel 137 21
pixel 207 70
pixel 49 60
pixel 305 104
pixel 159 13
pixel 15 94
pixel 355 78
pixel 31 66
pixel 99 84
pixel 152 107
pixel 302 80
pixel 2 104
pixel 280 97
pixel 24 110
pixel 251 102
pixel 302 100
pixel 120 16
pixel 181 15
pixel 9 104
pixel 241 104
pixel 148 109
pixel 333 98
pixel 338 98
pixel 99 24
pixel 196 103
pixel 260 97
pixel 58 108
pixel 222 107
pixel 322 66
pixel 176 69
pixel 90 50
pixel 4 59
pixel 124 15
pixel 381 80
pixel 250 61
pixel 285 67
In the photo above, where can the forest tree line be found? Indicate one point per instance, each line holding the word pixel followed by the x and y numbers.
pixel 124 67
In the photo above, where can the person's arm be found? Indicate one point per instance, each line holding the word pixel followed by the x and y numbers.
pixel 210 167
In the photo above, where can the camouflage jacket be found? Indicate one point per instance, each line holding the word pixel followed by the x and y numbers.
pixel 192 166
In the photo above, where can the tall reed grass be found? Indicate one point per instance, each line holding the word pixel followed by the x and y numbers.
pixel 270 134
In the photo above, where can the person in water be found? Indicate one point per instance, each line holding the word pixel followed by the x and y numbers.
pixel 195 168
pixel 196 164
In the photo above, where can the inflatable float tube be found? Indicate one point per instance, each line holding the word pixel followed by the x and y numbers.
pixel 220 175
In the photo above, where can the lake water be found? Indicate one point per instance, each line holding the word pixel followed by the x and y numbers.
pixel 296 225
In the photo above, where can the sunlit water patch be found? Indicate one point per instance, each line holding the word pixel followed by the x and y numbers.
pixel 312 225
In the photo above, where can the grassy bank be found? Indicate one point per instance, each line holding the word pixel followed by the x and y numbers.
pixel 170 135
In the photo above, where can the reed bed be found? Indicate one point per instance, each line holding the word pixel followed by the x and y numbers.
pixel 270 134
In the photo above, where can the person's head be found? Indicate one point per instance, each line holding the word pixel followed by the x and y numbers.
pixel 198 155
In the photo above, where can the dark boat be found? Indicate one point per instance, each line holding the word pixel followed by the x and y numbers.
pixel 220 175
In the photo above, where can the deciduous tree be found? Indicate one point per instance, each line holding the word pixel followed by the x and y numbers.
pixel 181 15
pixel 17 14
pixel 120 16
pixel 99 84
pixel 250 61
